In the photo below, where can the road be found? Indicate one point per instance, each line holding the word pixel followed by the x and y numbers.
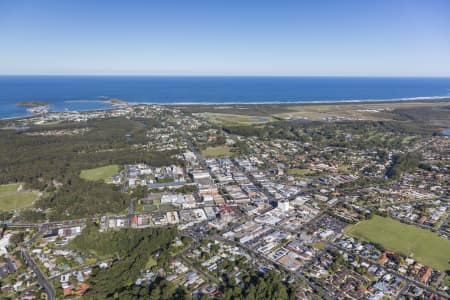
pixel 252 179
pixel 446 220
pixel 206 276
pixel 323 293
pixel 48 225
pixel 42 280
pixel 401 276
pixel 132 207
pixel 402 291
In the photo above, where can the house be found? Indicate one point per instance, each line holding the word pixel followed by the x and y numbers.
pixel 81 290
pixel 383 259
pixel 67 291
pixel 422 219
pixel 426 275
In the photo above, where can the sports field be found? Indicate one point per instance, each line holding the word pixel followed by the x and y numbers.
pixel 102 173
pixel 216 151
pixel 420 244
pixel 11 199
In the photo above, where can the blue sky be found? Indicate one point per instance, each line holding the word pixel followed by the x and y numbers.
pixel 189 37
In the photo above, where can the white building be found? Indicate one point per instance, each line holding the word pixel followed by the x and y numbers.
pixel 284 205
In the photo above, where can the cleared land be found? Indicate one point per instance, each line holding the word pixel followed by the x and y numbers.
pixel 433 112
pixel 230 119
pixel 102 173
pixel 216 151
pixel 11 199
pixel 374 111
pixel 422 245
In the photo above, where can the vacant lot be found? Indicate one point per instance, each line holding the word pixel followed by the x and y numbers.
pixel 422 245
pixel 102 173
pixel 11 199
pixel 216 151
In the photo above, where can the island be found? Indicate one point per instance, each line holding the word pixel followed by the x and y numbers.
pixel 35 107
pixel 32 103
pixel 112 101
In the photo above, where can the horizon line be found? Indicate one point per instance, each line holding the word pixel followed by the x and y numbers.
pixel 222 75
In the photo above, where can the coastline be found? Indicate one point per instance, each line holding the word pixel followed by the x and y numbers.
pixel 116 103
pixel 312 102
pixel 86 93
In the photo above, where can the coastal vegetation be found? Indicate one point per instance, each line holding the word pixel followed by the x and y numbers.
pixel 420 244
pixel 116 101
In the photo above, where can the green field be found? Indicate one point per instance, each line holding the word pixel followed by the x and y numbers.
pixel 216 151
pixel 234 120
pixel 300 172
pixel 159 207
pixel 11 199
pixel 102 173
pixel 420 244
pixel 150 263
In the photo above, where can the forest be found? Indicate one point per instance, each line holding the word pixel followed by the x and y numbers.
pixel 350 134
pixel 131 250
pixel 52 164
pixel 402 163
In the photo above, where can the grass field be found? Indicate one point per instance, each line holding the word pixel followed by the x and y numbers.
pixel 230 119
pixel 11 199
pixel 319 245
pixel 251 114
pixel 150 263
pixel 300 172
pixel 216 151
pixel 380 111
pixel 422 245
pixel 158 207
pixel 101 173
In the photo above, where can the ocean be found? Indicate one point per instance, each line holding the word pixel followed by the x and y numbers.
pixel 56 90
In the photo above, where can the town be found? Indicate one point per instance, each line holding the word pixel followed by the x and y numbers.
pixel 328 208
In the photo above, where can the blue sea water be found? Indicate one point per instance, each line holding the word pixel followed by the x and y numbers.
pixel 196 89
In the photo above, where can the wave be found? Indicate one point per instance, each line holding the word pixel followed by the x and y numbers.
pixel 425 98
